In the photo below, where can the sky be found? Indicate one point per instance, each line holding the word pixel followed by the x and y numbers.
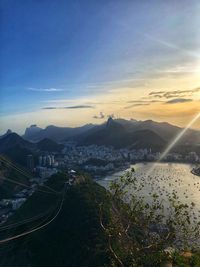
pixel 72 62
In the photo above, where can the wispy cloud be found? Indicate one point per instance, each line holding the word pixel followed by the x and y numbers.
pixel 101 86
pixel 137 105
pixel 180 70
pixel 45 89
pixel 71 107
pixel 178 100
pixel 176 93
pixel 50 108
pixel 79 107
pixel 144 101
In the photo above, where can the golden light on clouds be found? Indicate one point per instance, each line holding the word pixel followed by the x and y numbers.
pixel 171 95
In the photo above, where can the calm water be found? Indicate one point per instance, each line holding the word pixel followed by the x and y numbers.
pixel 164 179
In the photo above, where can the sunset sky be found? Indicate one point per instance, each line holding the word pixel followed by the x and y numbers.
pixel 72 62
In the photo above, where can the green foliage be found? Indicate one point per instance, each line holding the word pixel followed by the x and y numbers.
pixel 97 228
pixel 75 238
pixel 145 229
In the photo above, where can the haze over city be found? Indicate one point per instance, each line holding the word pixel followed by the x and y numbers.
pixel 143 62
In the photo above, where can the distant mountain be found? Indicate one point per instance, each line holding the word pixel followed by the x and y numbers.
pixel 49 145
pixel 117 134
pixel 126 133
pixel 11 140
pixel 163 129
pixel 54 133
pixel 7 133
pixel 17 148
pixel 31 131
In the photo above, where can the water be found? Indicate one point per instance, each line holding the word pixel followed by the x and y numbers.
pixel 164 180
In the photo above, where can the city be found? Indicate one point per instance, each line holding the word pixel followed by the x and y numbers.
pixel 100 133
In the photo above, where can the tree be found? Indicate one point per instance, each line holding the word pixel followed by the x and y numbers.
pixel 148 231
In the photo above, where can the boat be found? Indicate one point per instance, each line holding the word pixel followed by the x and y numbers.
pixel 196 171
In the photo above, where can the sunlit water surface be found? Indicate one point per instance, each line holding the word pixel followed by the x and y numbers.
pixel 163 180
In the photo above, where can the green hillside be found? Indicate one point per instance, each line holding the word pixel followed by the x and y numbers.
pixel 74 238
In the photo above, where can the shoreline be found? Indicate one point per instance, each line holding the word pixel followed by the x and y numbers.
pixel 125 167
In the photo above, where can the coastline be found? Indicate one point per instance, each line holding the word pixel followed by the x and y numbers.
pixel 127 166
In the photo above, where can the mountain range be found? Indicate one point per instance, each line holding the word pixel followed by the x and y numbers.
pixel 17 148
pixel 119 133
pixel 34 133
pixel 116 134
pixel 114 129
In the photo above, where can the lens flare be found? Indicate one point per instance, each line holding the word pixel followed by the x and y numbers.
pixel 173 143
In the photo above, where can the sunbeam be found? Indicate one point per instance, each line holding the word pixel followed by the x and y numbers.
pixel 173 143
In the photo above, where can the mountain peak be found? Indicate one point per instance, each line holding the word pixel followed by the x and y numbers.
pixel 113 124
pixel 31 131
pixel 8 131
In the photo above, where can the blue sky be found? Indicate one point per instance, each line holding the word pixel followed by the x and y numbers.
pixel 75 50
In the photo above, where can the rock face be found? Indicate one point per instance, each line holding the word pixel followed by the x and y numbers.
pixel 31 131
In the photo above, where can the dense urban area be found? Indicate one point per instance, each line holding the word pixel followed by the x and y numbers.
pixel 96 160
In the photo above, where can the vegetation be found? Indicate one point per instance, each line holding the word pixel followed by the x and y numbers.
pixel 151 233
pixel 99 228
pixel 75 238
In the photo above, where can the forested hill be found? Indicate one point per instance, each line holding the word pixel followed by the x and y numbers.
pixel 74 238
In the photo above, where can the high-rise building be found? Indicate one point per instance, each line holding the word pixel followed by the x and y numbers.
pixel 48 160
pixel 30 162
pixel 52 159
pixel 44 161
pixel 40 160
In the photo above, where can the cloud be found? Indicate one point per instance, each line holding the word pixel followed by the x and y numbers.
pixel 50 108
pixel 100 116
pixel 79 107
pixel 70 107
pixel 144 101
pixel 45 89
pixel 175 93
pixel 157 92
pixel 178 100
pixel 137 105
